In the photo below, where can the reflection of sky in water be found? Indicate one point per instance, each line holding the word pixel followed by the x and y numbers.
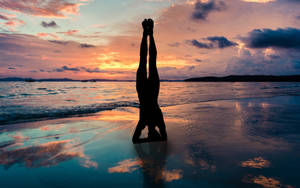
pixel 225 143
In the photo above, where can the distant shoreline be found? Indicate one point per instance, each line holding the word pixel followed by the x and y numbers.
pixel 231 78
pixel 18 79
pixel 247 78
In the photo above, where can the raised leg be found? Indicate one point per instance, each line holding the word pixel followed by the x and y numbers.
pixel 153 73
pixel 141 75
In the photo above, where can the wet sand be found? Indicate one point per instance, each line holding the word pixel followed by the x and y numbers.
pixel 225 143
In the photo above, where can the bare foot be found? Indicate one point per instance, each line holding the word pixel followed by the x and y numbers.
pixel 150 26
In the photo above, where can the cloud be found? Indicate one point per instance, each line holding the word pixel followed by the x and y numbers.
pixel 75 33
pixel 47 35
pixel 94 70
pixel 198 44
pixel 280 38
pixel 50 24
pixel 43 8
pixel 14 23
pixel 66 68
pixel 87 46
pixel 77 69
pixel 30 52
pixel 59 42
pixel 3 17
pixel 175 44
pixel 198 60
pixel 69 32
pixel 222 42
pixel 11 22
pixel 259 1
pixel 203 9
pixel 215 42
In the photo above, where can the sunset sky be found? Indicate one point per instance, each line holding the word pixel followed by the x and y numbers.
pixel 85 39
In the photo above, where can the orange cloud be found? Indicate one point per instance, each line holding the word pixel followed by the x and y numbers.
pixel 171 175
pixel 264 181
pixel 126 166
pixel 10 21
pixel 257 162
pixel 69 32
pixel 43 8
pixel 47 35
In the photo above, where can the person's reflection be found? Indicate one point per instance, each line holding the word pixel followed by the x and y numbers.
pixel 153 156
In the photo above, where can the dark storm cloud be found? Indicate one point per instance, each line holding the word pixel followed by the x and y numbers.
pixel 202 9
pixel 86 46
pixel 215 42
pixel 280 38
pixel 50 24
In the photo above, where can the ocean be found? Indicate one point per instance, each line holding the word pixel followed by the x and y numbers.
pixel 31 101
pixel 78 134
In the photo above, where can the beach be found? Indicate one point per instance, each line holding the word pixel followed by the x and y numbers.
pixel 219 135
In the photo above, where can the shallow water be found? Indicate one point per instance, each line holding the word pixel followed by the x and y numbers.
pixel 220 135
pixel 31 101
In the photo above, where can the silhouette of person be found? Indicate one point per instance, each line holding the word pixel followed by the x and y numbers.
pixel 148 90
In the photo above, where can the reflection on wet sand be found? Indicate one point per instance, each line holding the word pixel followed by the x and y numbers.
pixel 198 156
pixel 265 182
pixel 153 157
pixel 45 155
pixel 126 166
pixel 256 162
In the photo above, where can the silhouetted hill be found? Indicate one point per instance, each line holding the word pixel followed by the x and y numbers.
pixel 18 79
pixel 14 79
pixel 247 78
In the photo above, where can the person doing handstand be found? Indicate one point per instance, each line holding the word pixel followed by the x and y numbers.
pixel 148 90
